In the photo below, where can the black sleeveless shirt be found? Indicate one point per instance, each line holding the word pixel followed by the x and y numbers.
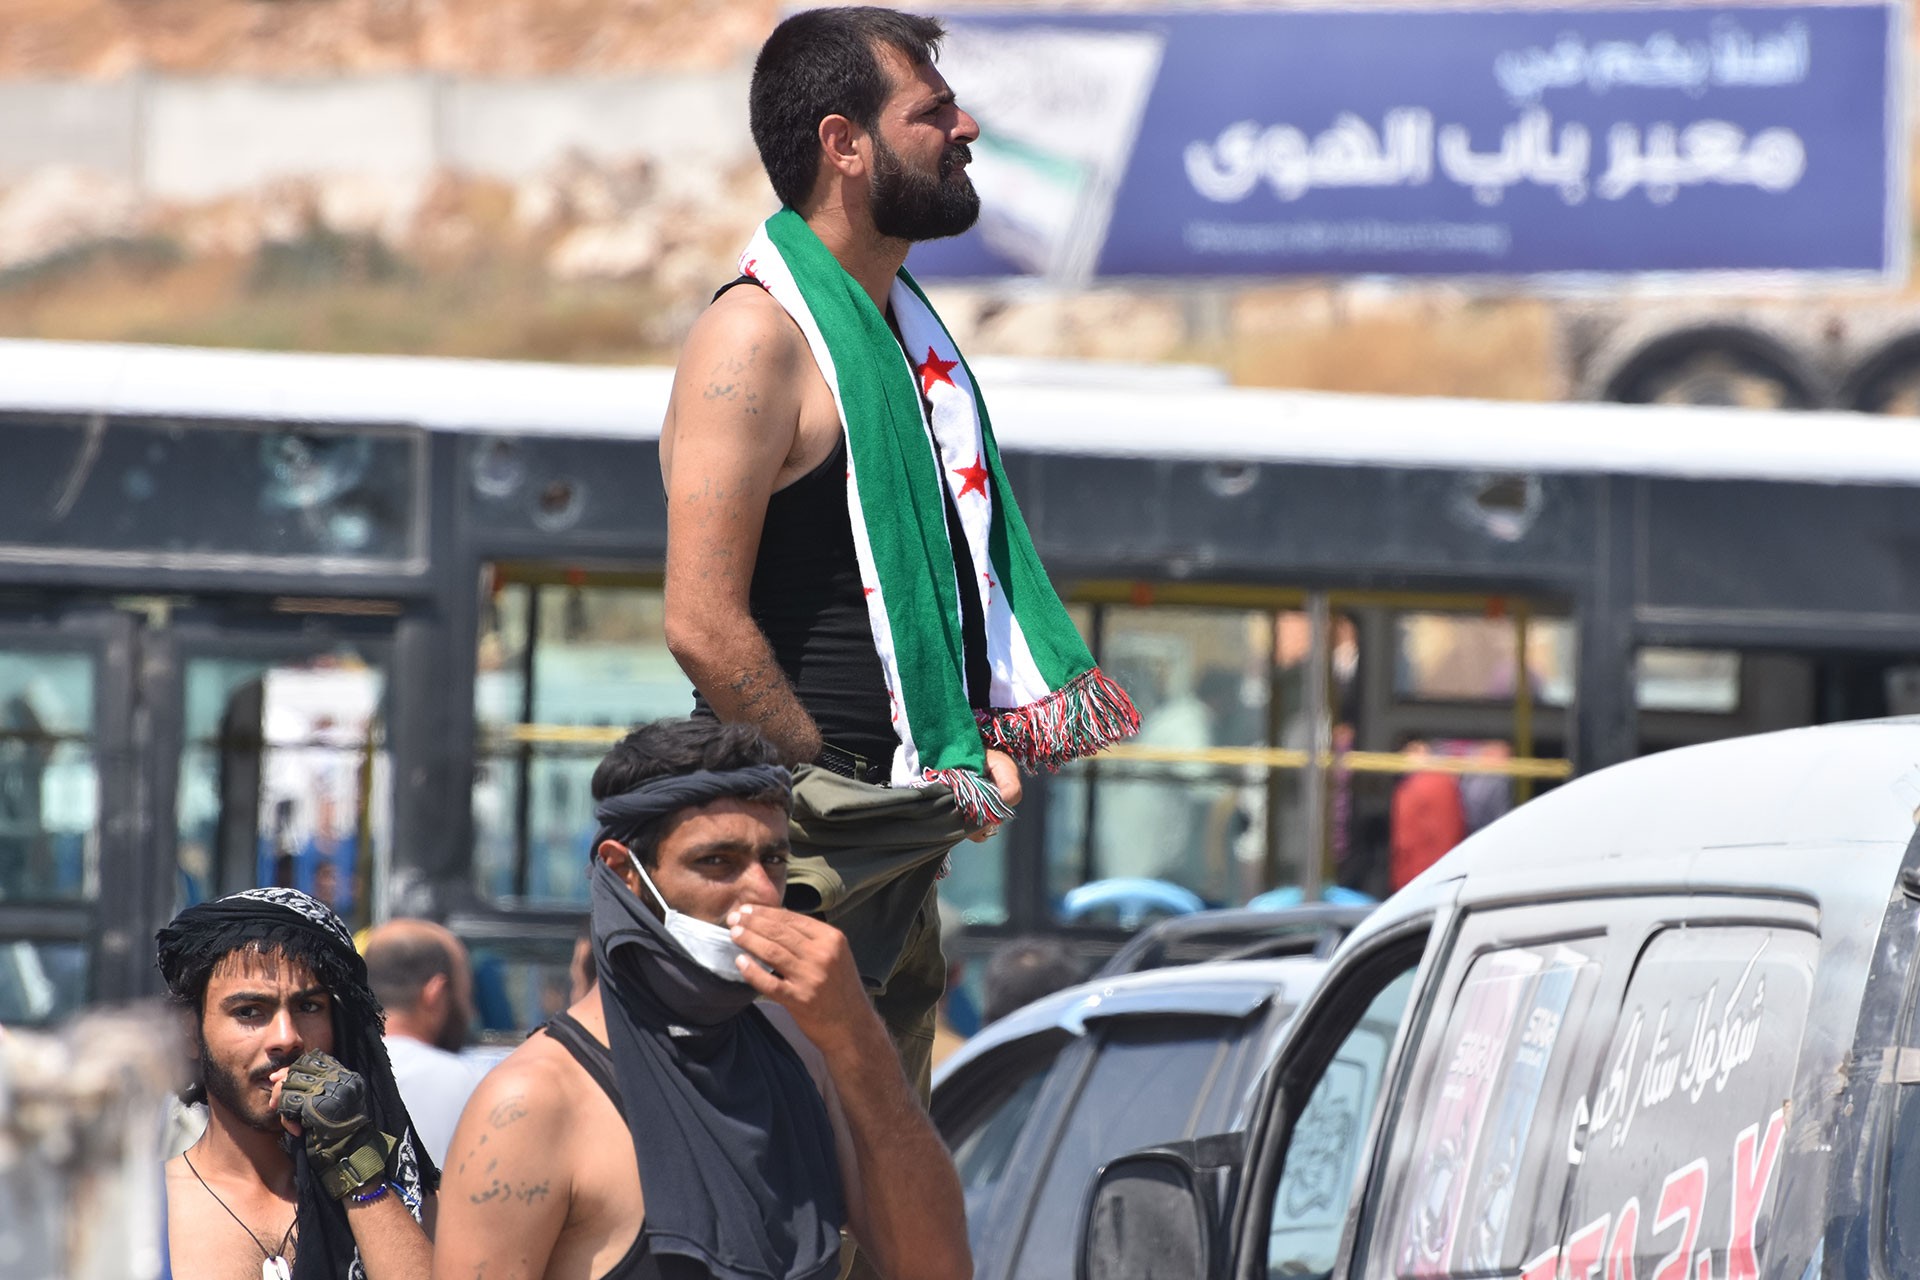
pixel 808 600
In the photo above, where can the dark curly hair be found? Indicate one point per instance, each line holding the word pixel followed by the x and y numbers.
pixel 820 63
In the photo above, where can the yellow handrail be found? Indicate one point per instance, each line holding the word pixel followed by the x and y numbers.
pixel 1227 757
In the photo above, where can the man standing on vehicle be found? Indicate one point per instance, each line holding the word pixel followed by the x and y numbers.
pixel 846 568
pixel 724 1100
pixel 309 1167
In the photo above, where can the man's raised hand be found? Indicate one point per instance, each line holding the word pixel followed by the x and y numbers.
pixel 812 970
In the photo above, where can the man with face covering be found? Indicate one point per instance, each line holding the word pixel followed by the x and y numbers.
pixel 724 1102
pixel 310 1168
pixel 846 568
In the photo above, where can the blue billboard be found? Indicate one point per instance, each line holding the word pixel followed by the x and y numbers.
pixel 1460 142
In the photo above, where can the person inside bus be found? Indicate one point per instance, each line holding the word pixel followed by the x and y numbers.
pixel 1428 816
pixel 724 1101
pixel 825 495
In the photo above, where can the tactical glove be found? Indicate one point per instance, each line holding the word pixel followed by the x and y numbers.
pixel 332 1106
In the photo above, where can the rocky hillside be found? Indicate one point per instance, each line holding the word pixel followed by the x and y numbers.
pixel 314 37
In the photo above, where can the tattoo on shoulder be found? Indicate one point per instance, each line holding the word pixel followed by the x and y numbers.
pixel 726 383
pixel 507 1112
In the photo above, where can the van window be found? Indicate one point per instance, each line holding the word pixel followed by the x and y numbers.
pixel 1329 1141
pixel 1900 1204
pixel 1148 1085
pixel 1479 1179
pixel 984 1144
pixel 1680 1134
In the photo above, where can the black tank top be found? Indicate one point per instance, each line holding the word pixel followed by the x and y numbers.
pixel 808 600
pixel 597 1061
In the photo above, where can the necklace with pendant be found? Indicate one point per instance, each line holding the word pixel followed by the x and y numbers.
pixel 274 1267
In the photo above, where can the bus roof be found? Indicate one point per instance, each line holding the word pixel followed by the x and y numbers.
pixel 1089 407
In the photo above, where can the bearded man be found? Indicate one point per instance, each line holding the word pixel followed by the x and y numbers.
pixel 309 1168
pixel 846 569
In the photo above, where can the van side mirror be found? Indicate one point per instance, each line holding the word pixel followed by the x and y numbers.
pixel 1157 1214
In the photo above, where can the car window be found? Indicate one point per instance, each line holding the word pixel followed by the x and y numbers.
pixel 984 1139
pixel 1679 1136
pixel 1326 1143
pixel 1148 1085
pixel 981 1154
pixel 1478 1180
pixel 1900 1205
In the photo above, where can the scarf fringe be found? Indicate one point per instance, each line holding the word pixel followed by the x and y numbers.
pixel 977 799
pixel 1083 716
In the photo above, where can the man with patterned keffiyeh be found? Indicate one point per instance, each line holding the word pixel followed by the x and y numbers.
pixel 847 569
pixel 310 1168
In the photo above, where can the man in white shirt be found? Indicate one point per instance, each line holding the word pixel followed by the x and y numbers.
pixel 419 972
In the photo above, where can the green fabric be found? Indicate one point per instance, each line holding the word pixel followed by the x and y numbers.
pixel 899 478
pixel 1051 635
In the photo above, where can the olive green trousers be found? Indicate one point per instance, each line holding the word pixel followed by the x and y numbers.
pixel 865 860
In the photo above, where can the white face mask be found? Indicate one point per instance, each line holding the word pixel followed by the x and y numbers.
pixel 710 946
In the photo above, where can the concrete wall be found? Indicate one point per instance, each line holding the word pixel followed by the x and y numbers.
pixel 91 123
pixel 201 138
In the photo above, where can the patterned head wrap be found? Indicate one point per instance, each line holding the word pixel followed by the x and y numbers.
pixel 298 927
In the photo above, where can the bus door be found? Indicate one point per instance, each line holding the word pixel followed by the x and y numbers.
pixel 73 890
pixel 270 763
pixel 154 755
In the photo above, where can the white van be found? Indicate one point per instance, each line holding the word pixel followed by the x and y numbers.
pixel 1656 1025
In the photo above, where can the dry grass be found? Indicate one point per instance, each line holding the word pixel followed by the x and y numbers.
pixel 337 294
pixel 503 310
pixel 1425 346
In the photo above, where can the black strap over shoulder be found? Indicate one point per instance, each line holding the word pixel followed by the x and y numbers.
pixel 734 283
pixel 594 1058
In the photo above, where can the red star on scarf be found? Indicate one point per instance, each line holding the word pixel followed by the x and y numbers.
pixel 935 370
pixel 975 477
pixel 989 578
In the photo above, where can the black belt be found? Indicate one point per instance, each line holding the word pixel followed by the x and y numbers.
pixel 849 765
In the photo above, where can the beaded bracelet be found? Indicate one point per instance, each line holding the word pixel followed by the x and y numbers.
pixel 369 1194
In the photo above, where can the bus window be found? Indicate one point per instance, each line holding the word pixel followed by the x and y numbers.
pixel 1706 680
pixel 565 663
pixel 1202 679
pixel 283 776
pixel 49 789
pixel 41 982
pixel 1457 657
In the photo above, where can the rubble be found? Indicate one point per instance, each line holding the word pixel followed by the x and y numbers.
pixel 61 208
pixel 310 37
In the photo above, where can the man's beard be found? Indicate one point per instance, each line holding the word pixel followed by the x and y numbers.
pixel 913 206
pixel 452 1036
pixel 236 1091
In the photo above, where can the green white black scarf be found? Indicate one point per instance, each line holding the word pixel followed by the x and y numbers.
pixel 1050 703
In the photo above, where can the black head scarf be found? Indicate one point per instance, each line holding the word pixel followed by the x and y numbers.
pixel 735 1150
pixel 303 929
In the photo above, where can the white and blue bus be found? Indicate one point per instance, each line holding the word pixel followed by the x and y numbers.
pixel 365 624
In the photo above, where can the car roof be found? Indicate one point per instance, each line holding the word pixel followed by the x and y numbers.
pixel 1236 933
pixel 1229 989
pixel 1655 820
